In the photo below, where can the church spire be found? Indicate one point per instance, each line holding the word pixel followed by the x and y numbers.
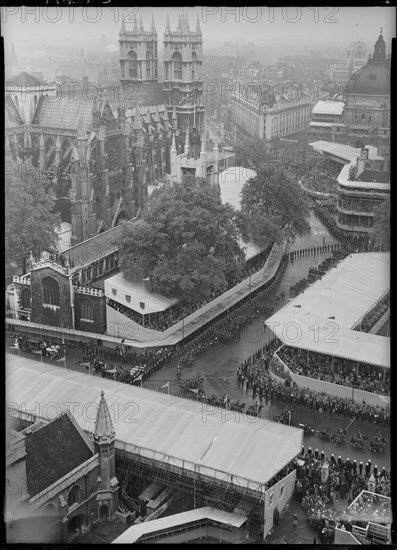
pixel 122 30
pixel 198 29
pixel 141 24
pixel 153 28
pixel 168 26
pixel 379 55
pixel 103 425
pixel 135 28
pixel 187 22
pixel 179 27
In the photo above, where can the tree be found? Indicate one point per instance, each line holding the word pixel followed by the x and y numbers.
pixel 274 206
pixel 380 236
pixel 187 242
pixel 30 220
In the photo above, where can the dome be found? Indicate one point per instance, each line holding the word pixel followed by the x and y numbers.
pixel 374 77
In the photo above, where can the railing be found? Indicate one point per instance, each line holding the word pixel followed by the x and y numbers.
pixel 52 265
pixel 89 291
pixel 24 279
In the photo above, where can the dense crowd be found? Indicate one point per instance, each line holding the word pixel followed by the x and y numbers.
pixel 322 178
pixel 319 491
pixel 336 370
pixel 374 315
pixel 163 320
pixel 357 205
pixel 256 377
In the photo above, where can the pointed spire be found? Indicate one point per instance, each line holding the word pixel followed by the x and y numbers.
pixel 137 120
pixel 187 144
pixel 173 145
pixel 203 152
pixel 179 27
pixel 187 22
pixel 153 28
pixel 27 141
pixel 103 425
pixel 81 130
pixel 168 26
pixel 135 28
pixel 122 30
pixel 198 29
pixel 41 142
pixel 141 24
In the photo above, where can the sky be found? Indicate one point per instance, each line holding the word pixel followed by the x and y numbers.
pixel 263 25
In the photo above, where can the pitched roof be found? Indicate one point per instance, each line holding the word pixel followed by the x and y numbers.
pixel 64 113
pixel 27 79
pixel 94 248
pixel 52 452
pixel 12 116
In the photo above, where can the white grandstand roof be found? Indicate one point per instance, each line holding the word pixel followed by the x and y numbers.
pixel 328 107
pixel 325 313
pixel 345 153
pixel 187 434
pixel 135 532
pixel 231 182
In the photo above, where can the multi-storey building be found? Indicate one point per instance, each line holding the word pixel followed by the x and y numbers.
pixel 268 115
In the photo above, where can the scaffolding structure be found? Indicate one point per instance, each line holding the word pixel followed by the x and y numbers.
pixel 196 488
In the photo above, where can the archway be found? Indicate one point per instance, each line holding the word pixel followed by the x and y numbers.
pixel 74 526
pixel 104 512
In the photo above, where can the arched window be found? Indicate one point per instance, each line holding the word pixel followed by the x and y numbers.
pixel 26 298
pixel 50 291
pixel 177 64
pixel 74 495
pixel 194 61
pixel 87 310
pixel 132 65
pixel 149 65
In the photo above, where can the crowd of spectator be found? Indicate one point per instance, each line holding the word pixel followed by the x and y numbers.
pixel 374 315
pixel 163 320
pixel 357 205
pixel 322 177
pixel 337 370
pixel 256 377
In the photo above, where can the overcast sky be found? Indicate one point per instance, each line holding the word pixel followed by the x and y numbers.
pixel 81 27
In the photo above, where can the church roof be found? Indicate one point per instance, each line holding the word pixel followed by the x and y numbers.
pixel 27 80
pixel 374 77
pixel 53 451
pixel 12 116
pixel 64 113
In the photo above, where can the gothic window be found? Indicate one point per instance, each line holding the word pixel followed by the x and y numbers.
pixel 87 310
pixel 177 64
pixel 132 65
pixel 149 65
pixel 50 291
pixel 74 495
pixel 26 298
pixel 194 61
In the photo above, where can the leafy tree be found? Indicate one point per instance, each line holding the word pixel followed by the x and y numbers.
pixel 187 242
pixel 380 236
pixel 273 206
pixel 30 220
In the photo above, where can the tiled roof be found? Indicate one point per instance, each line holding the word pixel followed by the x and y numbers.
pixel 52 452
pixel 26 79
pixel 64 113
pixel 12 116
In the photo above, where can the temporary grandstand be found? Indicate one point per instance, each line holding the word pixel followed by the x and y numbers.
pixel 327 318
pixel 220 458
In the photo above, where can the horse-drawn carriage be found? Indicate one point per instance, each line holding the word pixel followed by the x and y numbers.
pixel 378 444
pixel 358 441
pixel 338 437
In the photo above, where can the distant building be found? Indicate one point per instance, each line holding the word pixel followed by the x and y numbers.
pixel 266 114
pixel 325 114
pixel 59 482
